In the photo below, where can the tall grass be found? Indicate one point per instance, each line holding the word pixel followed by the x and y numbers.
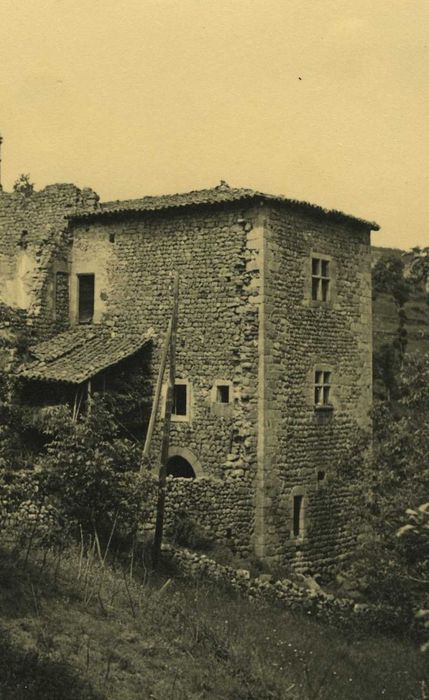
pixel 94 627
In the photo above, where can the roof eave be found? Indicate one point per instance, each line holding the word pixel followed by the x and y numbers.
pixel 93 215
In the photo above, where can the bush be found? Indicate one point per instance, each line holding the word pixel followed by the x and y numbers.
pixel 93 477
pixel 387 568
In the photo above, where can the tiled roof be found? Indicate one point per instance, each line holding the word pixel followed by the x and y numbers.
pixel 216 195
pixel 80 353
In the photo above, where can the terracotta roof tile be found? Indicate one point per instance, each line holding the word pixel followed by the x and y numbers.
pixel 80 353
pixel 216 195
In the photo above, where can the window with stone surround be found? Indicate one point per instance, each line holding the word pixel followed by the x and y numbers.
pixel 320 278
pixel 86 293
pixel 298 515
pixel 181 400
pixel 322 388
pixel 221 392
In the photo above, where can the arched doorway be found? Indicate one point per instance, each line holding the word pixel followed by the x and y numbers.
pixel 183 463
pixel 179 467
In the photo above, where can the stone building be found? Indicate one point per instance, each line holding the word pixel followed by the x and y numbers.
pixel 273 351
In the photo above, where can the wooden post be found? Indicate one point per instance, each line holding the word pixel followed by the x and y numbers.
pixel 155 404
pixel 166 430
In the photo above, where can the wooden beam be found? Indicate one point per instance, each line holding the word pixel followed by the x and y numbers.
pixel 162 477
pixel 158 388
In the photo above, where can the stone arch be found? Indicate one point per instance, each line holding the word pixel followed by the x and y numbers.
pixel 185 454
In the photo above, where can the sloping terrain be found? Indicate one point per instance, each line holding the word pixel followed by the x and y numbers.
pixel 72 629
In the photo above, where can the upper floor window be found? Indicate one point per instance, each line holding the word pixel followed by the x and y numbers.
pixel 86 289
pixel 320 279
pixel 181 400
pixel 322 387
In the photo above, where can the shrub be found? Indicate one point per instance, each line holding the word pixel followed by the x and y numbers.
pixel 391 569
pixel 93 476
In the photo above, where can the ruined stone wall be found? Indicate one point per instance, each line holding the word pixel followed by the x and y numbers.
pixel 32 239
pixel 134 258
pixel 303 445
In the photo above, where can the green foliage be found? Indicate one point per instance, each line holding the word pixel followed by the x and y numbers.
pixel 93 475
pixel 388 568
pixel 23 185
pixel 388 278
pixel 386 368
pixel 419 272
pixel 416 532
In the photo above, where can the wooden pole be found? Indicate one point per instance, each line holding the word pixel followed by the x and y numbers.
pixel 166 430
pixel 155 404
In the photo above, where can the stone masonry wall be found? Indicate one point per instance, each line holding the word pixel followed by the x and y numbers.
pixel 224 508
pixel 133 259
pixel 32 236
pixel 304 446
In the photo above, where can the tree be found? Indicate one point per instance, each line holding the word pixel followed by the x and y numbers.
pixel 23 185
pixel 388 568
pixel 388 278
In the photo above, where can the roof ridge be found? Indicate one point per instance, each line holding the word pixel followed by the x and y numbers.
pixel 220 194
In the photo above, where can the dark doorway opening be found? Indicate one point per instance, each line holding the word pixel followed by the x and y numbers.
pixel 180 467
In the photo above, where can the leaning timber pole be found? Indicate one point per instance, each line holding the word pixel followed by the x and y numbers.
pixel 166 429
pixel 155 404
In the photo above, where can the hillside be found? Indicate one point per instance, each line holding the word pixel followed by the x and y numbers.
pixel 75 630
pixel 385 311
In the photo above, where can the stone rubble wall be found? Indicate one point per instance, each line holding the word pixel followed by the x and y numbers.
pixel 223 508
pixel 311 600
pixel 33 231
pixel 301 442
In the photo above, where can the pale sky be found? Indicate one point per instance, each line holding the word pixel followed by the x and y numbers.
pixel 320 100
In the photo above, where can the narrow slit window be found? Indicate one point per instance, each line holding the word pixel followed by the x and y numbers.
pixel 222 393
pixel 86 289
pixel 320 279
pixel 298 514
pixel 180 400
pixel 322 387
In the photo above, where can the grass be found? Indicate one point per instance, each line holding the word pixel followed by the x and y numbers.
pixel 73 629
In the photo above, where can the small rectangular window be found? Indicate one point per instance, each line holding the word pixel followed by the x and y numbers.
pixel 322 387
pixel 320 279
pixel 297 515
pixel 180 400
pixel 222 393
pixel 86 289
